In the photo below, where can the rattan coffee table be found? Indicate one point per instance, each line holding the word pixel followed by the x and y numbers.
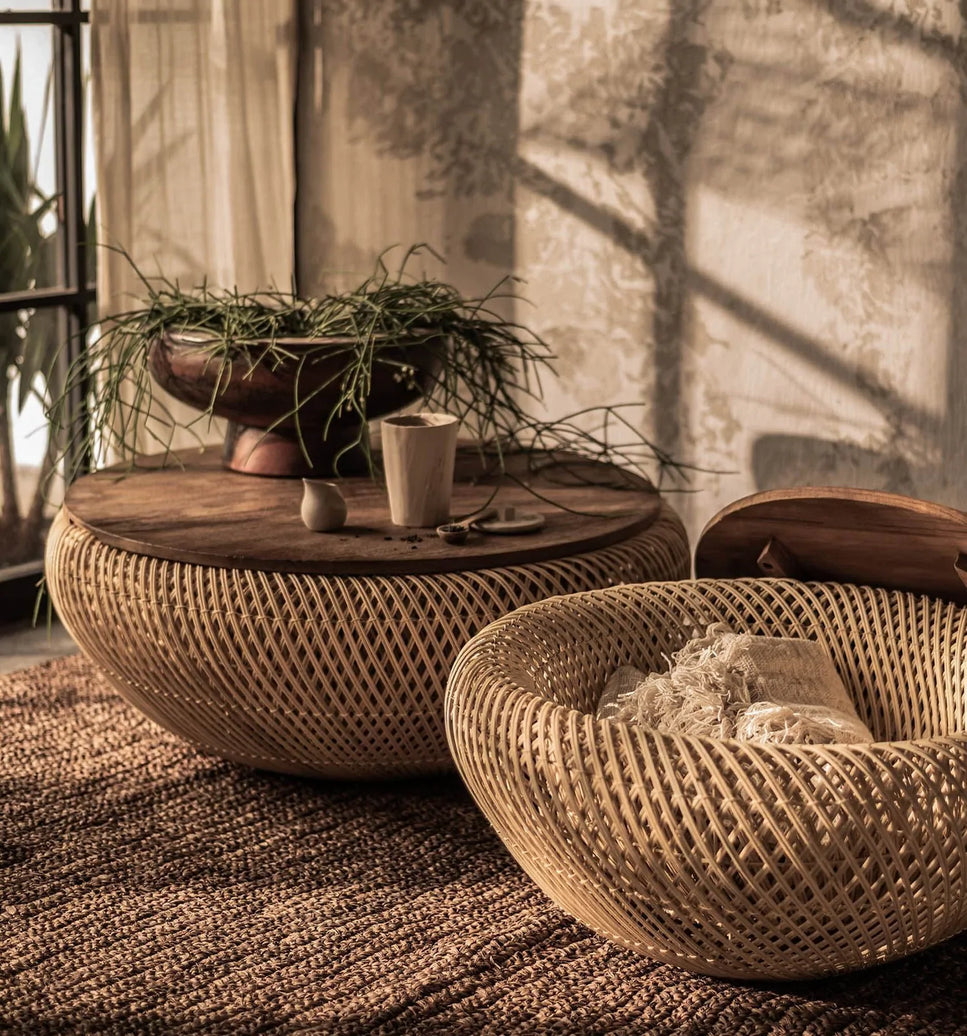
pixel 208 605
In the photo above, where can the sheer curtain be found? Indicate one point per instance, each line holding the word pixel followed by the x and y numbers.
pixel 193 108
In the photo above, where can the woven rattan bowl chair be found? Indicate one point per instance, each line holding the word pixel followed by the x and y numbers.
pixel 728 858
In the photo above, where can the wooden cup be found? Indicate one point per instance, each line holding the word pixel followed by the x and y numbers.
pixel 418 457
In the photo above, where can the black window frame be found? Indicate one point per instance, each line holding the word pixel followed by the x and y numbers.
pixel 18 587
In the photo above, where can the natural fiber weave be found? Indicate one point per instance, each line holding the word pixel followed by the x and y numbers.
pixel 147 890
pixel 326 676
pixel 728 858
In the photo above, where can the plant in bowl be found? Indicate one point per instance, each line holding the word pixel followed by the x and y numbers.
pixel 298 379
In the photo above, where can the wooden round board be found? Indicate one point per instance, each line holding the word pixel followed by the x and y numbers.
pixel 839 535
pixel 204 514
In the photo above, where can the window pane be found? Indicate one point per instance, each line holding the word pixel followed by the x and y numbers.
pixel 30 234
pixel 26 5
pixel 30 338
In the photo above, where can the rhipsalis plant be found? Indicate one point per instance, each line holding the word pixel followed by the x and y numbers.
pixel 488 373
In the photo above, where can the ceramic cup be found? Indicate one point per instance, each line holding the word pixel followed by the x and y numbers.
pixel 419 451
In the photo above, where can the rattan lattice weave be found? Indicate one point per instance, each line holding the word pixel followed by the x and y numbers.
pixel 319 675
pixel 724 857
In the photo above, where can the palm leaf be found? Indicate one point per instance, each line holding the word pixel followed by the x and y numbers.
pixel 18 147
pixel 42 338
pixel 3 123
pixel 27 255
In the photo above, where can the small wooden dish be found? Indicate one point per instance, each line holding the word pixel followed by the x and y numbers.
pixel 453 532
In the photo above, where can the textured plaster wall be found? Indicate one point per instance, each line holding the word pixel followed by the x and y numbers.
pixel 746 215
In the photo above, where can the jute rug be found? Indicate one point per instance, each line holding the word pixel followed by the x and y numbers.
pixel 149 889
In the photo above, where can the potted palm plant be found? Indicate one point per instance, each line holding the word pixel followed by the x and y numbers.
pixel 28 339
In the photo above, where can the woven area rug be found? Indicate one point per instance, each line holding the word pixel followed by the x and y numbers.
pixel 150 889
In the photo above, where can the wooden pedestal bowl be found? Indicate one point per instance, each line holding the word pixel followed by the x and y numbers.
pixel 258 398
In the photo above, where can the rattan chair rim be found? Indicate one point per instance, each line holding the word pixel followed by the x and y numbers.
pixel 651 737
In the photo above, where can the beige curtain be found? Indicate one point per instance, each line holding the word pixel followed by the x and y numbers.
pixel 193 110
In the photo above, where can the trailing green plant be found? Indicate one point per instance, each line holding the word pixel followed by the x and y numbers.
pixel 489 375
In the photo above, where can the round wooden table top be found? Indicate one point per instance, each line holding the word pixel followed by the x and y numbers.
pixel 203 514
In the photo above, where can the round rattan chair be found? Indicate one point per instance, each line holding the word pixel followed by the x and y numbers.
pixel 728 858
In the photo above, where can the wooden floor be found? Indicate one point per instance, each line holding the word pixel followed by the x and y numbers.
pixel 23 645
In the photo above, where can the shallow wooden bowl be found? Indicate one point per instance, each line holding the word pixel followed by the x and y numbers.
pixel 257 398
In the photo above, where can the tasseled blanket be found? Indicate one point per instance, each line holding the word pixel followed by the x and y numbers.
pixel 782 690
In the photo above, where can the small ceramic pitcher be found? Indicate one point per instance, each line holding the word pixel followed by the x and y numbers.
pixel 323 506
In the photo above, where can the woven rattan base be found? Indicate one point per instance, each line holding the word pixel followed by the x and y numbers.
pixel 729 858
pixel 330 676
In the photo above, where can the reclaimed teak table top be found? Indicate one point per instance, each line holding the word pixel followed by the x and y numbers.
pixel 196 511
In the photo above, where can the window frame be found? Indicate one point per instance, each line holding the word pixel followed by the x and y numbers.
pixel 18 583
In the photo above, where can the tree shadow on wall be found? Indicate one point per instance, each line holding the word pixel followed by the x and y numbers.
pixel 638 113
pixel 937 432
pixel 779 461
pixel 756 153
pixel 439 81
pixel 436 81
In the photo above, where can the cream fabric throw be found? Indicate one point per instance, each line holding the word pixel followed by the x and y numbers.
pixel 723 684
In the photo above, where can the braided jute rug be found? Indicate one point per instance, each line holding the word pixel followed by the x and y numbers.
pixel 149 889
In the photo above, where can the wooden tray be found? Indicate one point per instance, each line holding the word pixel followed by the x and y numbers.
pixel 839 535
